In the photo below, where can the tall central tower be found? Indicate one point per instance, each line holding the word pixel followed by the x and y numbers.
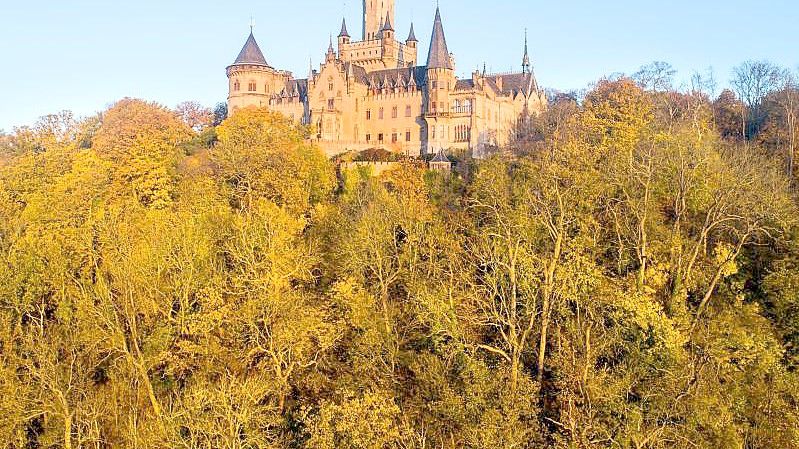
pixel 374 15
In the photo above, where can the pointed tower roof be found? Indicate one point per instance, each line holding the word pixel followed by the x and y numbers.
pixel 251 53
pixel 412 35
pixel 526 58
pixel 441 157
pixel 387 24
pixel 438 58
pixel 344 32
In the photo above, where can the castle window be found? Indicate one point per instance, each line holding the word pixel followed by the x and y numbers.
pixel 467 106
pixel 394 112
pixel 368 114
pixel 457 106
pixel 368 137
pixel 434 85
pixel 237 86
pixel 434 106
pixel 408 111
pixel 331 104
pixel 434 132
pixel 407 136
pixel 252 87
pixel 380 137
pixel 330 86
pixel 380 114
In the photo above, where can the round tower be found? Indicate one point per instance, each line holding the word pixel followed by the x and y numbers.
pixel 251 80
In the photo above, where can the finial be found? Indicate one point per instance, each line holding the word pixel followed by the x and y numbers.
pixel 252 24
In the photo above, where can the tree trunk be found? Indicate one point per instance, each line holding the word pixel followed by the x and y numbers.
pixel 67 430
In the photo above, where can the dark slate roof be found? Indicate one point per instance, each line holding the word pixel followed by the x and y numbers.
pixel 294 88
pixel 519 83
pixel 344 32
pixel 464 84
pixel 441 157
pixel 412 35
pixel 438 58
pixel 387 25
pixel 394 77
pixel 251 53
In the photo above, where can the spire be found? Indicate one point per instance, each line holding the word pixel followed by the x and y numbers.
pixel 251 53
pixel 344 32
pixel 387 25
pixel 331 52
pixel 526 59
pixel 412 35
pixel 438 58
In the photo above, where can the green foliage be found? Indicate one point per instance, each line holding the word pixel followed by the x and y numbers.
pixel 629 280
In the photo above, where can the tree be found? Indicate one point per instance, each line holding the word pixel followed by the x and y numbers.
pixel 727 113
pixel 195 115
pixel 753 81
pixel 780 129
pixel 262 154
pixel 220 114
pixel 142 141
pixel 656 77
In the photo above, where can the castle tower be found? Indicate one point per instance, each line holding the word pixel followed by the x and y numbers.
pixel 344 35
pixel 440 82
pixel 250 78
pixel 411 41
pixel 375 12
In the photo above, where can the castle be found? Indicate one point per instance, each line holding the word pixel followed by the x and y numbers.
pixel 373 93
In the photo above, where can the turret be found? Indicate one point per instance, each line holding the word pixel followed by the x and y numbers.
pixel 440 81
pixel 374 17
pixel 387 32
pixel 331 52
pixel 411 41
pixel 344 35
pixel 251 78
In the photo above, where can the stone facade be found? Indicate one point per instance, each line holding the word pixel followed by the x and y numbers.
pixel 373 93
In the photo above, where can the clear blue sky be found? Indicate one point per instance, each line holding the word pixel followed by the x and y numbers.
pixel 84 54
